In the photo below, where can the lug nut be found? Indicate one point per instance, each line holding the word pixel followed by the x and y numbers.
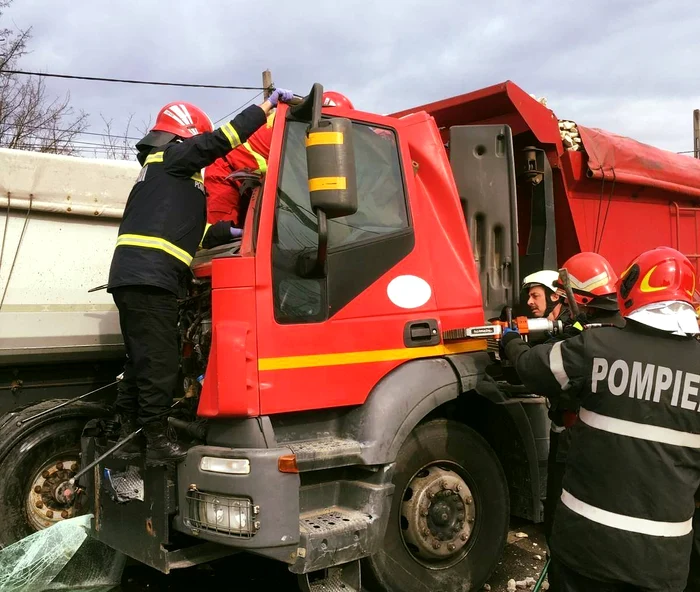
pixel 64 514
pixel 424 512
pixel 463 536
pixel 46 474
pixel 451 547
pixel 425 532
pixel 59 466
pixel 37 489
pixel 74 467
pixel 437 545
pixel 49 514
pixel 443 483
pixel 458 487
pixel 471 521
pixel 39 505
pixel 469 500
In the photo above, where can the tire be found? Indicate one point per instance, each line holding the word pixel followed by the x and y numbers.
pixel 28 451
pixel 432 448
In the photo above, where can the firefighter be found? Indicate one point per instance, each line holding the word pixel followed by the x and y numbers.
pixel 224 204
pixel 624 520
pixel 593 282
pixel 162 226
pixel 542 299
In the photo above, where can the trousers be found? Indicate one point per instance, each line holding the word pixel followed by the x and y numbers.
pixel 148 317
pixel 563 579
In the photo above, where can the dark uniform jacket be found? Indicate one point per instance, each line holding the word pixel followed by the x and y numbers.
pixel 633 468
pixel 165 215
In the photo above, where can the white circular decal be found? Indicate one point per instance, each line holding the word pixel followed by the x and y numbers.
pixel 408 291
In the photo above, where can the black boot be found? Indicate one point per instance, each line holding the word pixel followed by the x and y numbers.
pixel 161 442
pixel 128 426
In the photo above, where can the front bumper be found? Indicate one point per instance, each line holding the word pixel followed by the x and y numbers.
pixel 257 510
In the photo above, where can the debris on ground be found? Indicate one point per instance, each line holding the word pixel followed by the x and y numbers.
pixel 61 557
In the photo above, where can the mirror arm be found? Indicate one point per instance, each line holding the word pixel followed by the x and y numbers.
pixel 309 266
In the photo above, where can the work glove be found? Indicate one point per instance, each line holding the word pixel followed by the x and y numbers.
pixel 280 94
pixel 219 234
pixel 507 336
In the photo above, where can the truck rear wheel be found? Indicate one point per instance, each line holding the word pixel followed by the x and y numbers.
pixel 449 516
pixel 34 460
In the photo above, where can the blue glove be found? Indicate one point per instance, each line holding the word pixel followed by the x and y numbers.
pixel 507 335
pixel 280 94
pixel 236 232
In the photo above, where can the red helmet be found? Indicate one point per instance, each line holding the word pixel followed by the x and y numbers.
pixel 182 119
pixel 659 275
pixel 592 281
pixel 335 99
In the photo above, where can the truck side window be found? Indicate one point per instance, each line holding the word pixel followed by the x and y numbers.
pixel 382 212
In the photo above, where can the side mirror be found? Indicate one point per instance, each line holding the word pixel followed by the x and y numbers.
pixel 330 162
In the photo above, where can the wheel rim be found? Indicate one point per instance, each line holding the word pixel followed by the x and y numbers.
pixel 46 504
pixel 437 517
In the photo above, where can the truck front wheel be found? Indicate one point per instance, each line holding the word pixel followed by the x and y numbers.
pixel 32 473
pixel 449 516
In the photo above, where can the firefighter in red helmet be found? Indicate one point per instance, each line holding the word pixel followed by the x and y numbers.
pixel 162 226
pixel 593 283
pixel 624 519
pixel 335 99
pixel 223 190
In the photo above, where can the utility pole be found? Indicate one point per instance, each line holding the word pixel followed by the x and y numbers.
pixel 267 84
pixel 696 133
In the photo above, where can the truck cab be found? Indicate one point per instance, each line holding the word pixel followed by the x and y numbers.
pixel 334 428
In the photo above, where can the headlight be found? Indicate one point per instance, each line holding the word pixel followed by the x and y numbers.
pixel 230 466
pixel 219 513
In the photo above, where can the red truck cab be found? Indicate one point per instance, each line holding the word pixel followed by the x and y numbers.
pixel 341 428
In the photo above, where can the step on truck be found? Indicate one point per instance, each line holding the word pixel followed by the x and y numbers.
pixel 332 425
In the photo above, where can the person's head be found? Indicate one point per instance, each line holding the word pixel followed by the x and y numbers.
pixel 335 99
pixel 657 290
pixel 592 283
pixel 174 121
pixel 538 289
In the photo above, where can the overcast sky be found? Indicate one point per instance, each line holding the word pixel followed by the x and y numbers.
pixel 626 66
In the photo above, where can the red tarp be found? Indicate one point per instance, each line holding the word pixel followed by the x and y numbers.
pixel 628 161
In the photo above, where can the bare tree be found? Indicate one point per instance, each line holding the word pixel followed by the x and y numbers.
pixel 29 119
pixel 117 147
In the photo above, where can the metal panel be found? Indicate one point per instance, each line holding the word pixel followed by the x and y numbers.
pixel 483 166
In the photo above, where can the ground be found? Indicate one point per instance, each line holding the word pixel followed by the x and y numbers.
pixel 524 557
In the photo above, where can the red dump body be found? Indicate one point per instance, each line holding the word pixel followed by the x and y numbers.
pixel 617 197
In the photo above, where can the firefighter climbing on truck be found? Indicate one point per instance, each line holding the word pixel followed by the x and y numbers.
pixel 164 222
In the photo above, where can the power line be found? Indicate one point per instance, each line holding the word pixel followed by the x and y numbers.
pixel 239 108
pixel 127 81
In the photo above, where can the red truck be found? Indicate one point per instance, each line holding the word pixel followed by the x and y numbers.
pixel 333 426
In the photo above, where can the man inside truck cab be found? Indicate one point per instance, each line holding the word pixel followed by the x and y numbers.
pixel 225 200
pixel 163 224
pixel 542 299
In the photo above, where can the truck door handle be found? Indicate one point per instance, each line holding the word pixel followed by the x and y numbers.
pixel 421 333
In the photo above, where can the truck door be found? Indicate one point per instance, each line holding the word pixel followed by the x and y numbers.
pixel 482 162
pixel 326 341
